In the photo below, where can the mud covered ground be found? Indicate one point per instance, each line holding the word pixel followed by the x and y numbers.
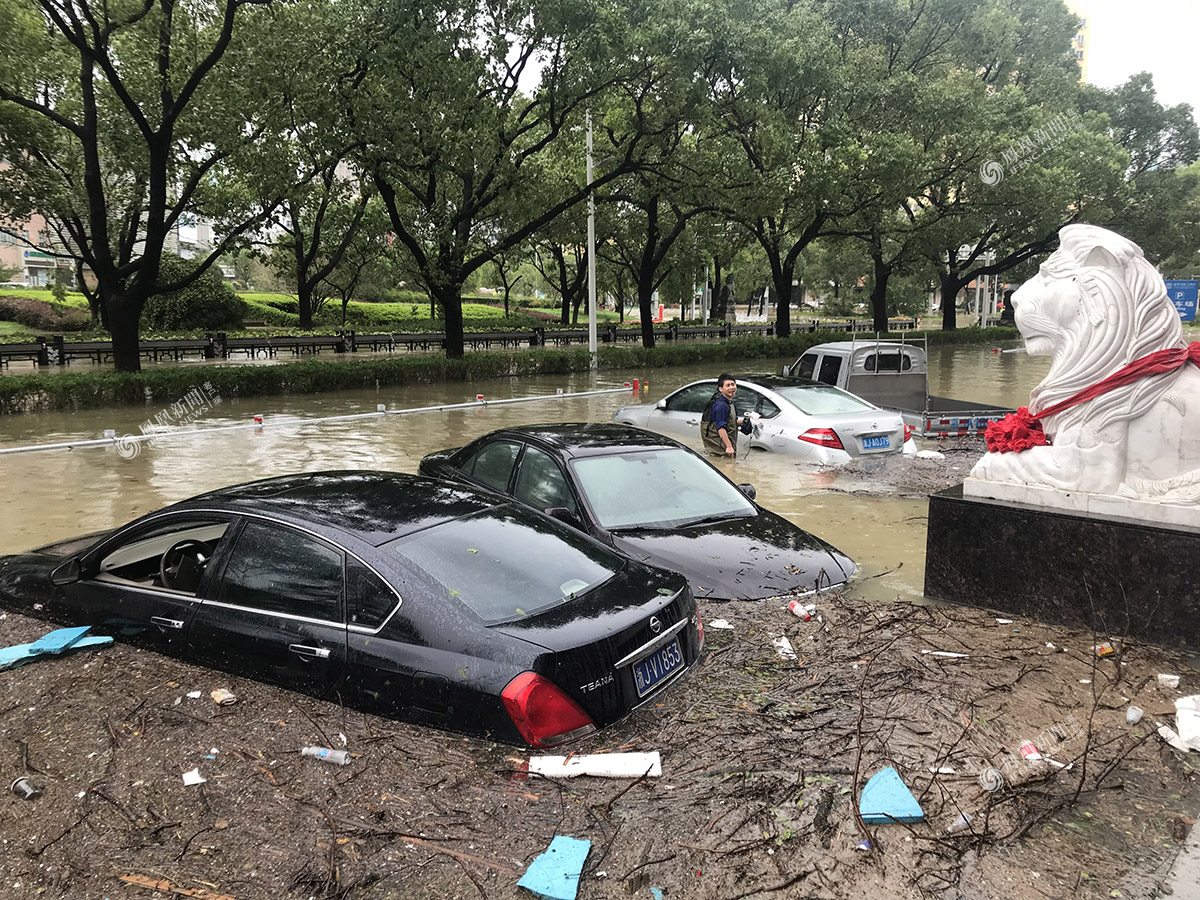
pixel 763 761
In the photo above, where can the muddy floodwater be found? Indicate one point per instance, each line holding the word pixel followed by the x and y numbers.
pixel 54 494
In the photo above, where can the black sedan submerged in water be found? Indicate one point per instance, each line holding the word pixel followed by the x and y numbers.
pixel 654 499
pixel 406 597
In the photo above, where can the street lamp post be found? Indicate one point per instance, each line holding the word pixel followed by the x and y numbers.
pixel 591 252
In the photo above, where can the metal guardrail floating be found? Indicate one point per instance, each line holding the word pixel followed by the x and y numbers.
pixel 126 441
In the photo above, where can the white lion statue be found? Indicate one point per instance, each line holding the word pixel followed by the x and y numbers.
pixel 1095 307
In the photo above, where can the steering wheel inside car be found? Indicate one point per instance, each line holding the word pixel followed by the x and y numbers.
pixel 182 566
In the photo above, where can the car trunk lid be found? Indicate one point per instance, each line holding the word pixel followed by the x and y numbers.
pixel 868 433
pixel 629 654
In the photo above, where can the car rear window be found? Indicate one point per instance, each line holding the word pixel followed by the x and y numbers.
pixel 822 400
pixel 506 563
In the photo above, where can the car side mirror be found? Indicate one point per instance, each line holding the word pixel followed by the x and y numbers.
pixel 68 573
pixel 787 370
pixel 661 404
pixel 563 515
pixel 748 490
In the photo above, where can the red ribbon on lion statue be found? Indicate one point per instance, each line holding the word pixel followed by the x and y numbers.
pixel 1021 430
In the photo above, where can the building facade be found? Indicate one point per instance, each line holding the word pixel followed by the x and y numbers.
pixel 1080 43
pixel 25 246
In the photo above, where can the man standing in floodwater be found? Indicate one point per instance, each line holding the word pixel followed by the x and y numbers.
pixel 719 420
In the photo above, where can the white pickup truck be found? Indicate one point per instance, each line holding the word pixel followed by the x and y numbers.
pixel 894 375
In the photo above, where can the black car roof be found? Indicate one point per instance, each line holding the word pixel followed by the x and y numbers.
pixel 589 438
pixel 375 506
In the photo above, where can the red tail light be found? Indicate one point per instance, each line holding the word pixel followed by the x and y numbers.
pixel 823 437
pixel 907 433
pixel 700 630
pixel 544 715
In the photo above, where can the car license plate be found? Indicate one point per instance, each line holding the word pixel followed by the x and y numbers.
pixel 652 670
pixel 878 442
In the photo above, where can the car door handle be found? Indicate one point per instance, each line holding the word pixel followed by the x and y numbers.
pixel 163 622
pixel 309 652
pixel 693 421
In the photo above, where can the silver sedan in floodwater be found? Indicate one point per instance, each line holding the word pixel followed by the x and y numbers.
pixel 814 421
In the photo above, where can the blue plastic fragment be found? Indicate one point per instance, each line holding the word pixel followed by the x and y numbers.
pixel 11 657
pixel 60 641
pixel 555 873
pixel 885 799
pixel 57 641
pixel 657 892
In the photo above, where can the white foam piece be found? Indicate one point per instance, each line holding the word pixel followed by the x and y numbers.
pixel 600 765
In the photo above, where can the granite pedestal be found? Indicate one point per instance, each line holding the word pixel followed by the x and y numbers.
pixel 1120 577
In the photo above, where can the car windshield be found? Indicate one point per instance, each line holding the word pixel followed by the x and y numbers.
pixel 506 563
pixel 822 400
pixel 656 488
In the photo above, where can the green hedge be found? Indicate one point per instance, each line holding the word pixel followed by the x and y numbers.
pixel 163 386
pixel 159 387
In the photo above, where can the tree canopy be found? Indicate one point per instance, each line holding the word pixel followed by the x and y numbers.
pixel 919 144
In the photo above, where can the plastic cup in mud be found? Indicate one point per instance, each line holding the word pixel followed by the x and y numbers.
pixel 1133 715
pixel 26 789
pixel 1030 752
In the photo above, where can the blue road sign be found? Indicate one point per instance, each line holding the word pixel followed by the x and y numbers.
pixel 1183 294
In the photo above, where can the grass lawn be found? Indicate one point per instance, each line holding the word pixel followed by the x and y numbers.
pixel 38 293
pixel 264 307
pixel 15 329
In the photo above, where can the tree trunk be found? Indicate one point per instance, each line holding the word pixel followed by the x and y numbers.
pixel 782 279
pixel 124 314
pixel 882 272
pixel 647 319
pixel 304 297
pixel 450 299
pixel 951 284
pixel 714 297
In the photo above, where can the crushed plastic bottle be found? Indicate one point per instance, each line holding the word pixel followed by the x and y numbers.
pixel 803 610
pixel 338 757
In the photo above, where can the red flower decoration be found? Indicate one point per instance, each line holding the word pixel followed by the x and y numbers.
pixel 1015 432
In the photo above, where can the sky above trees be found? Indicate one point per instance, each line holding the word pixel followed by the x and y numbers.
pixel 1127 38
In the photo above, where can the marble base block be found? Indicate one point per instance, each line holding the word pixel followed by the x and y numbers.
pixel 1179 515
pixel 1116 575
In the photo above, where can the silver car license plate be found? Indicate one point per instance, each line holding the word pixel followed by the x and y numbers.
pixel 876 442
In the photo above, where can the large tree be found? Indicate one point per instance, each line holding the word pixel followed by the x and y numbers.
pixel 814 100
pixel 119 120
pixel 457 108
pixel 1158 208
pixel 317 224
